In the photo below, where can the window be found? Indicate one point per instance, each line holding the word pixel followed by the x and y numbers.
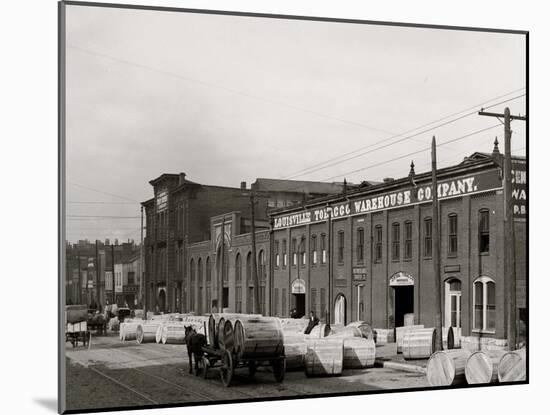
pixel 484 231
pixel 238 299
pixel 341 246
pixel 323 304
pixel 238 269
pixel 314 249
pixel 261 266
pixel 276 301
pixel 453 234
pixel 314 301
pixel 293 251
pixel 192 293
pixel 303 253
pixel 250 300
pixel 283 302
pixel 428 237
pixel 277 253
pixel 395 241
pixel 360 244
pixel 208 271
pixel 484 304
pixel 285 259
pixel 323 248
pixel 408 240
pixel 262 300
pixel 249 267
pixel 378 243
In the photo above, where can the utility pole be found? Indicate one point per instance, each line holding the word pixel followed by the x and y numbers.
pixel 254 268
pixel 436 252
pixel 509 236
pixel 79 281
pixel 329 264
pixel 113 273
pixel 141 270
pixel 222 259
pixel 96 274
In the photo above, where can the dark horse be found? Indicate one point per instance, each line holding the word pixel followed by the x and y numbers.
pixel 194 342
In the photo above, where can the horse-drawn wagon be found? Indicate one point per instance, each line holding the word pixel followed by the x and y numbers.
pixel 243 341
pixel 76 324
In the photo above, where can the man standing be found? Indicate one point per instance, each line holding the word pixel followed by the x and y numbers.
pixel 313 321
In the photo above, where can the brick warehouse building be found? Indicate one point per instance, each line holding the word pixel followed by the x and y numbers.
pixel 179 223
pixel 367 254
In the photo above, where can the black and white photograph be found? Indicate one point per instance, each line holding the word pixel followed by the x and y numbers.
pixel 260 207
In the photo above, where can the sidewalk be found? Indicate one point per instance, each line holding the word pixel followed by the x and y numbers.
pixel 387 357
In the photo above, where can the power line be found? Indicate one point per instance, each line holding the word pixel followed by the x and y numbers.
pixel 412 153
pixel 312 168
pixel 101 191
pixel 98 203
pixel 103 217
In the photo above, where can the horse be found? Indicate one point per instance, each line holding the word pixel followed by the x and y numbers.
pixel 194 342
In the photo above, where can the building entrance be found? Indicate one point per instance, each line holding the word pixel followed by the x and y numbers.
pixel 404 303
pixel 299 304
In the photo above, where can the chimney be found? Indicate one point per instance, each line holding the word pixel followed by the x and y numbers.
pixel 181 179
pixel 243 185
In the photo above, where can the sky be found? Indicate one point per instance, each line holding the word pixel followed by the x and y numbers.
pixel 227 99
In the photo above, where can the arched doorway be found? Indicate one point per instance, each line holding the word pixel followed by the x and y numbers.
pixel 223 275
pixel 162 301
pixel 340 310
pixel 298 290
pixel 453 309
pixel 402 294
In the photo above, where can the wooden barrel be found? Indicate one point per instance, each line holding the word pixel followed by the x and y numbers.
pixel 364 328
pixel 482 367
pixel 400 332
pixel 295 347
pixel 173 333
pixel 258 336
pixel 384 336
pixel 213 323
pixel 512 366
pixel 297 325
pixel 446 368
pixel 146 332
pixel 220 332
pixel 324 357
pixel 129 330
pixel 408 319
pixel 344 331
pixel 228 336
pixel 158 334
pixel 418 343
pixel 121 331
pixel 320 330
pixel 359 352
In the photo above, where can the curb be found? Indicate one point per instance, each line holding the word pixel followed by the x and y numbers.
pixel 405 367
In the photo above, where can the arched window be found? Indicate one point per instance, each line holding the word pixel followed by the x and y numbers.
pixel 249 267
pixel 484 231
pixel 208 271
pixel 208 293
pixel 238 269
pixel 323 248
pixel 484 304
pixel 285 257
pixel 200 283
pixel 452 226
pixel 314 249
pixel 395 241
pixel 428 237
pixel 340 309
pixel 192 278
pixel 360 244
pixel 261 266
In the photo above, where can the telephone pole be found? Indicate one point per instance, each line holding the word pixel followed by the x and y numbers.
pixel 113 273
pixel 436 252
pixel 96 274
pixel 79 281
pixel 254 268
pixel 509 236
pixel 222 259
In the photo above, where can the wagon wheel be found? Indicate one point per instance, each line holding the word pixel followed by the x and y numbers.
pixel 252 366
pixel 227 369
pixel 279 367
pixel 205 365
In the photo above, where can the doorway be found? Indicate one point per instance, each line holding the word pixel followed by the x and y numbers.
pixel 340 310
pixel 300 304
pixel 162 301
pixel 225 297
pixel 404 303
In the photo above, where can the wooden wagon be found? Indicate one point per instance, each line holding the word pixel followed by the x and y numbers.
pixel 76 325
pixel 243 341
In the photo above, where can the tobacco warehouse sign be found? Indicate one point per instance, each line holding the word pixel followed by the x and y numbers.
pixel 445 189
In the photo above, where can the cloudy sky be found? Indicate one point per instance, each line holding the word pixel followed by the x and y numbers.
pixel 229 99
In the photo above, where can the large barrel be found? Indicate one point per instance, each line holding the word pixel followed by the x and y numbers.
pixel 364 328
pixel 418 343
pixel 451 339
pixel 226 333
pixel 512 366
pixel 320 330
pixel 384 336
pixel 400 332
pixel 297 325
pixel 173 333
pixel 128 330
pixel 482 367
pixel 257 337
pixel 344 331
pixel 408 319
pixel 359 352
pixel 213 325
pixel 146 332
pixel 324 357
pixel 295 350
pixel 158 334
pixel 446 368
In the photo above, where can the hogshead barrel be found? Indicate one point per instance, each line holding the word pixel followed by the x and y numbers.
pixel 258 336
pixel 220 333
pixel 400 332
pixel 297 325
pixel 320 330
pixel 447 367
pixel 408 319
pixel 213 323
pixel 121 331
pixel 173 333
pixel 383 336
pixel 482 367
pixel 512 366
pixel 359 352
pixel 364 328
pixel 129 330
pixel 158 334
pixel 324 357
pixel 146 332
pixel 228 336
pixel 295 350
pixel 418 343
pixel 344 331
